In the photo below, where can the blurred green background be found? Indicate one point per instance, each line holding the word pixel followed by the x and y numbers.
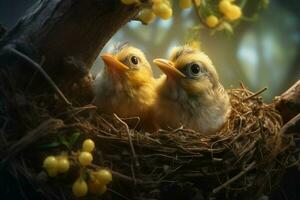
pixel 260 53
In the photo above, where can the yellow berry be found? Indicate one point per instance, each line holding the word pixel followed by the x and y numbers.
pixel 162 10
pixel 52 172
pixel 128 2
pixel 146 16
pixel 88 145
pixel 212 21
pixel 63 165
pixel 104 176
pixel 183 4
pixel 233 13
pixel 85 158
pixel 50 163
pixel 224 6
pixel 79 188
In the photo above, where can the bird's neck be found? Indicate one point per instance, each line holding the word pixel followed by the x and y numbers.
pixel 205 98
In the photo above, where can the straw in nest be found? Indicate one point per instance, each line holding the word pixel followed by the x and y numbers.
pixel 245 159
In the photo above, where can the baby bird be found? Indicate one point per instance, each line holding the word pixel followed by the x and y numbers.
pixel 125 86
pixel 189 93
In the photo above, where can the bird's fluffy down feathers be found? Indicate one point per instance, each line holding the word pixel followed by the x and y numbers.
pixel 129 93
pixel 199 103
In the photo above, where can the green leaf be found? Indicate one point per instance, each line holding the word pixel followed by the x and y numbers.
pixel 74 137
pixel 63 141
pixel 50 145
pixel 225 26
pixel 228 28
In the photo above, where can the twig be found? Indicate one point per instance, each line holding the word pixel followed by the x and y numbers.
pixel 292 126
pixel 255 94
pixel 130 141
pixel 133 173
pixel 131 118
pixel 41 70
pixel 242 85
pixel 198 14
pixel 109 124
pixel 31 137
pixel 246 150
pixel 117 193
pixel 122 176
pixel 138 181
pixel 227 183
pixel 75 111
pixel 170 172
pixel 34 75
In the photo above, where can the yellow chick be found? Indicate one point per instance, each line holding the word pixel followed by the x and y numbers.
pixel 189 94
pixel 125 86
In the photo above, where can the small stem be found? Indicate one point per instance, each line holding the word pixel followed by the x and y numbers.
pixel 227 183
pixel 198 14
pixel 130 141
pixel 255 94
pixel 40 69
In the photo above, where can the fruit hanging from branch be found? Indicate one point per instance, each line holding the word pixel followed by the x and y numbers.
pixel 90 180
pixel 218 15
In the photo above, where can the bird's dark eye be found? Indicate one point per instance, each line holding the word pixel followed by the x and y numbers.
pixel 195 69
pixel 134 60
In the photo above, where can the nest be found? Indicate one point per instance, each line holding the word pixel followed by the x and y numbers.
pixel 244 160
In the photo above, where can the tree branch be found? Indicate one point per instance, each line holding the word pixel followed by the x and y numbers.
pixel 69 28
pixel 288 104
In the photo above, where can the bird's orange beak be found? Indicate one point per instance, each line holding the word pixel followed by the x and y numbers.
pixel 168 68
pixel 113 63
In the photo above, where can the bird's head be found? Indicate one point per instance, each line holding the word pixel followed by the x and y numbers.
pixel 128 64
pixel 190 69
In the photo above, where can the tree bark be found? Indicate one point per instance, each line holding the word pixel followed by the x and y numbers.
pixel 62 29
pixel 288 103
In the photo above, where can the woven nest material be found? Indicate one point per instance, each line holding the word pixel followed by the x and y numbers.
pixel 244 160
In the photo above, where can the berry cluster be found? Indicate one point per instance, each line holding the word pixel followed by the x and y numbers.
pixel 226 9
pixel 56 164
pixel 160 8
pixel 230 11
pixel 93 181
